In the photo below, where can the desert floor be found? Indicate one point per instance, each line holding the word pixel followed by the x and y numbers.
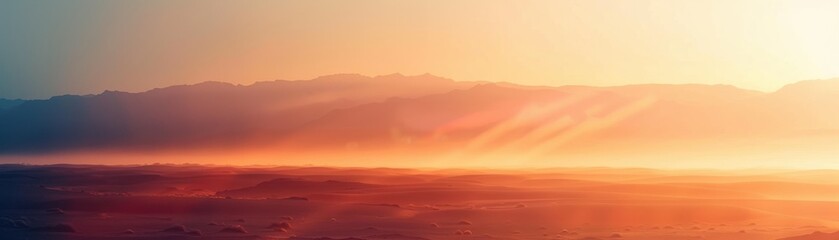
pixel 213 202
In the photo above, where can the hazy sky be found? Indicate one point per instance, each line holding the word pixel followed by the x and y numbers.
pixel 57 47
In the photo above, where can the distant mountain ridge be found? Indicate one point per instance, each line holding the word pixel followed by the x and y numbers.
pixel 10 103
pixel 209 113
pixel 396 111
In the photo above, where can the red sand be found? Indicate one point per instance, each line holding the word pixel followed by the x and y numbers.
pixel 411 204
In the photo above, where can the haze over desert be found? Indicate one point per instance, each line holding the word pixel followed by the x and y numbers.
pixel 419 120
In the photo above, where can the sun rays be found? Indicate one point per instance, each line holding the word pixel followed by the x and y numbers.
pixel 538 130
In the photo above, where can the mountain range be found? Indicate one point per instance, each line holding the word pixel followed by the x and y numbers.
pixel 423 112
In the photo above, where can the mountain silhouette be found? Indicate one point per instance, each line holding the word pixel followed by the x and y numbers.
pixel 200 115
pixel 6 104
pixel 396 111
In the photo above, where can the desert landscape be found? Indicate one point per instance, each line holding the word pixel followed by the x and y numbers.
pixel 499 161
pixel 217 202
pixel 419 120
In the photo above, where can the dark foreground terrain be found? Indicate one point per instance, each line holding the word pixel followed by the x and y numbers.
pixel 209 202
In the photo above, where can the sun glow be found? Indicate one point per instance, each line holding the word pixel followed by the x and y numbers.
pixel 754 44
pixel 811 32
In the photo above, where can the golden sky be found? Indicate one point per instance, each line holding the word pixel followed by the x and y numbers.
pixel 56 47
